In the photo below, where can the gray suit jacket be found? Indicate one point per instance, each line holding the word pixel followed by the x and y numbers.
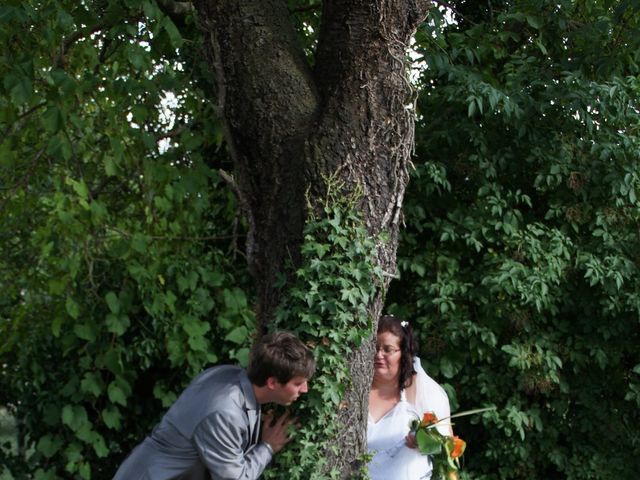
pixel 213 428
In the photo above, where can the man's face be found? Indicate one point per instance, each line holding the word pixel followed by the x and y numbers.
pixel 287 393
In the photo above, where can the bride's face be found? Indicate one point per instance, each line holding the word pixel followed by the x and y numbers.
pixel 388 354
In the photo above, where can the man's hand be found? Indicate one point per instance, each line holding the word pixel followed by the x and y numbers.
pixel 274 430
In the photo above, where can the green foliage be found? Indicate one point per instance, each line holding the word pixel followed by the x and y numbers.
pixel 519 263
pixel 120 276
pixel 327 308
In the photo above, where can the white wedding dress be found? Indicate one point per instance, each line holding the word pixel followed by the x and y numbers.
pixel 392 459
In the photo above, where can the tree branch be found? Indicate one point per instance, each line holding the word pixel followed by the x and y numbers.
pixel 82 33
pixel 76 36
pixel 22 116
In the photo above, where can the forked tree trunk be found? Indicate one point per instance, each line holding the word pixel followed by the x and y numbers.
pixel 291 127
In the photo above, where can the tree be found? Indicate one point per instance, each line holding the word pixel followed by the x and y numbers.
pixel 294 129
pixel 330 141
pixel 123 266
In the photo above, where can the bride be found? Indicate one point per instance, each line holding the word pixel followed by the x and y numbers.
pixel 401 392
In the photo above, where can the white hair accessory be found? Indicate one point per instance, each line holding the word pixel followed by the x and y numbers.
pixel 404 323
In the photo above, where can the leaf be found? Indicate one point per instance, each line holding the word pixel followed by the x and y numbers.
pixel 85 331
pixel 151 10
pixel 21 92
pixel 113 302
pixel 428 444
pixel 419 269
pixel 52 119
pixel 56 325
pixel 541 46
pixel 92 383
pixel 533 21
pixel 80 187
pixel 73 309
pixel 117 324
pixel 174 34
pixel 112 417
pixel 99 446
pixel 242 356
pixel 198 344
pixel 195 327
pixel 84 469
pixel 238 335
pixel 447 368
pixel 49 445
pixel 139 242
pixel 235 299
pixel 110 166
pixel 98 212
pixel 75 417
pixel 471 109
pixel 110 360
pixel 116 393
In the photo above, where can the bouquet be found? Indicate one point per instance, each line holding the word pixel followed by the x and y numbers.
pixel 445 450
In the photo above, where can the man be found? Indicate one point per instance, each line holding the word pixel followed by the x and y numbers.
pixel 213 428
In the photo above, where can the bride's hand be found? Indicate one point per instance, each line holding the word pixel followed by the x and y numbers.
pixel 410 440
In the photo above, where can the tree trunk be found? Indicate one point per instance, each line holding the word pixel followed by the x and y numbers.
pixel 290 127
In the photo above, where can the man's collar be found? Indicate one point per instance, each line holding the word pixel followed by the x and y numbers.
pixel 250 400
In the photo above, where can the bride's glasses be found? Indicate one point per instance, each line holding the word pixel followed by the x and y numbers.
pixel 386 350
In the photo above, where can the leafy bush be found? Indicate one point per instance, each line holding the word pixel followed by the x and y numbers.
pixel 519 262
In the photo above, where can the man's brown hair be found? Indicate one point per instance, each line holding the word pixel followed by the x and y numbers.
pixel 281 355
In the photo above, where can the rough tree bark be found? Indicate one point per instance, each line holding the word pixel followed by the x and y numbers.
pixel 290 127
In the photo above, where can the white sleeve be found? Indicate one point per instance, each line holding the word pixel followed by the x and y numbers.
pixel 431 397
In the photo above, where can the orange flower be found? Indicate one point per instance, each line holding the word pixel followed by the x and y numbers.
pixel 458 447
pixel 429 418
